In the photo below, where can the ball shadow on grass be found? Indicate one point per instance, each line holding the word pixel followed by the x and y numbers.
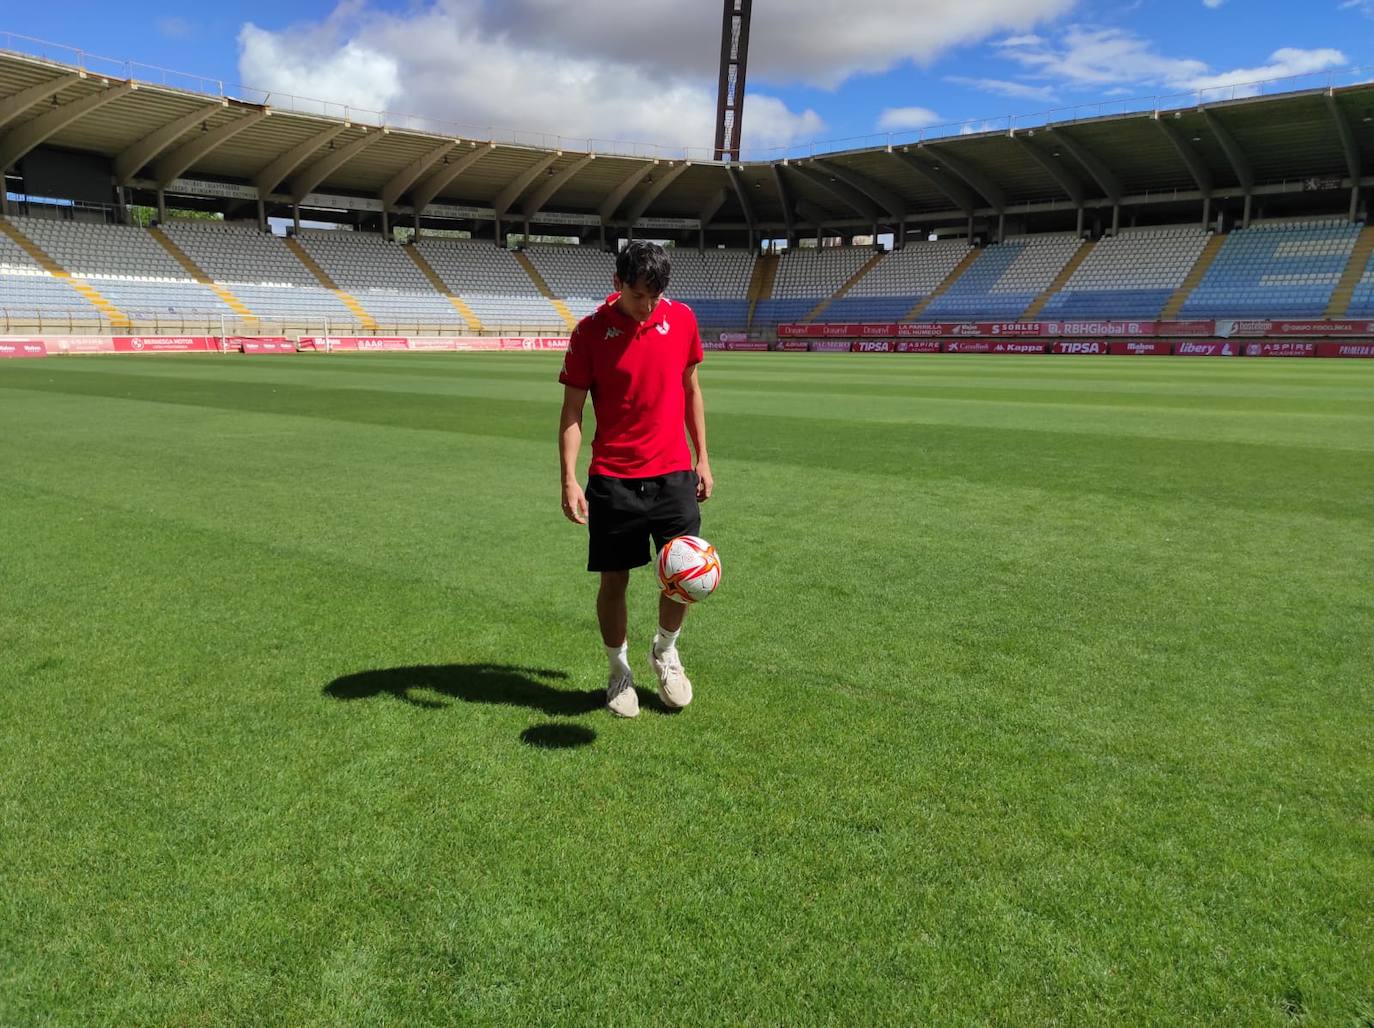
pixel 472 683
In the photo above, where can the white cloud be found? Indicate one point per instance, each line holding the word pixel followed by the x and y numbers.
pixel 1114 61
pixel 1212 4
pixel 596 69
pixel 1002 87
pixel 350 74
pixel 894 118
pixel 1283 63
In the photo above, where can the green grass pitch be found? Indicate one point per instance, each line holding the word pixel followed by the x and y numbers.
pixel 1038 690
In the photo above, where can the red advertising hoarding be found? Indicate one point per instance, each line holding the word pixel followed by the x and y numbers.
pixel 165 344
pixel 1080 346
pixel 1345 349
pixel 1018 347
pixel 1282 349
pixel 830 346
pixel 872 346
pixel 918 346
pixel 1185 328
pixel 793 345
pixel 1206 348
pixel 259 344
pixel 20 349
pixel 748 346
pixel 1141 348
pixel 968 346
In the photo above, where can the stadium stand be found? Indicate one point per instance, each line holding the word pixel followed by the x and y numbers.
pixel 1131 275
pixel 491 283
pixel 1005 279
pixel 1362 300
pixel 379 275
pixel 806 277
pixel 1275 269
pixel 28 291
pixel 125 264
pixel 897 283
pixel 259 268
pixel 580 276
pixel 715 284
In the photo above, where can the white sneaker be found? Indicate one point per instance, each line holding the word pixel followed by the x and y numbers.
pixel 674 688
pixel 621 698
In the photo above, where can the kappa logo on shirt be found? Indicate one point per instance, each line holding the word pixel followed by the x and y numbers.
pixel 613 333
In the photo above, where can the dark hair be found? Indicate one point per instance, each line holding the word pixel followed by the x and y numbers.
pixel 644 264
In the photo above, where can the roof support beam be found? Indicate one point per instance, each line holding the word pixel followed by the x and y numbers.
pixel 856 201
pixel 1197 167
pixel 424 193
pixel 979 182
pixel 185 156
pixel 1245 174
pixel 507 197
pixel 785 199
pixel 955 191
pixel 745 204
pixel 304 182
pixel 1352 151
pixel 617 195
pixel 410 174
pixel 640 204
pixel 1072 187
pixel 1105 178
pixel 535 202
pixel 13 106
pixel 713 206
pixel 19 141
pixel 134 157
pixel 880 195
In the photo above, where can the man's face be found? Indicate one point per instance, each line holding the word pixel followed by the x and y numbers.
pixel 637 300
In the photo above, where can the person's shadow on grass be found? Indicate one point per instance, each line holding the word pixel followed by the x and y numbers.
pixel 471 683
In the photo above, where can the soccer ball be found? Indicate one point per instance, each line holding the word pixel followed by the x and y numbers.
pixel 688 569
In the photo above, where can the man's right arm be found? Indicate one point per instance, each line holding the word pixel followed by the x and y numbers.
pixel 569 443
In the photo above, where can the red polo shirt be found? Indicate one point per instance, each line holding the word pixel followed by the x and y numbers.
pixel 634 373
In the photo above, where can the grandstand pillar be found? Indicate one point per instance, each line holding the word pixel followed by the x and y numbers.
pixel 161 205
pixel 1081 213
pixel 1206 211
pixel 1355 202
pixel 386 225
pixel 1116 219
pixel 417 226
pixel 1245 217
pixel 262 215
pixel 296 218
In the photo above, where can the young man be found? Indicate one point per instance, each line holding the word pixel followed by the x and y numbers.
pixel 637 355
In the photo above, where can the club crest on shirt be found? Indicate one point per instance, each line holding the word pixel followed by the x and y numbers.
pixel 662 328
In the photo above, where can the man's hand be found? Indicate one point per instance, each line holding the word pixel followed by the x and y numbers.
pixel 574 503
pixel 705 483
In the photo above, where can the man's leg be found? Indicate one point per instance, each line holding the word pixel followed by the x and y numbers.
pixel 677 513
pixel 611 611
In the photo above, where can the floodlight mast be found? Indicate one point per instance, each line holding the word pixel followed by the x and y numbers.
pixel 734 61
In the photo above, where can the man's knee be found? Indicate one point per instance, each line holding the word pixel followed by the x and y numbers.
pixel 614 583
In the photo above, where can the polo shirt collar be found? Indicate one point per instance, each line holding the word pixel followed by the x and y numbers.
pixel 657 317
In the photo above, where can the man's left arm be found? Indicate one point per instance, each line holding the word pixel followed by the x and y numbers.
pixel 696 428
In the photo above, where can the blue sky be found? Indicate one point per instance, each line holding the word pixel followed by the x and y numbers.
pixel 599 69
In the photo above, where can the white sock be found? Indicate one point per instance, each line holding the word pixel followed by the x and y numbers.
pixel 665 641
pixel 619 658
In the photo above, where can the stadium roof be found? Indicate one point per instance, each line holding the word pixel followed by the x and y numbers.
pixel 194 142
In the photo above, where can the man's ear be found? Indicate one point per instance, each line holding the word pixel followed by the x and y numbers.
pixel 615 281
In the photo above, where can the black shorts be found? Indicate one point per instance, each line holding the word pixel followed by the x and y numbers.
pixel 624 514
